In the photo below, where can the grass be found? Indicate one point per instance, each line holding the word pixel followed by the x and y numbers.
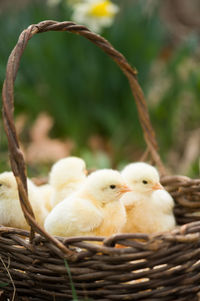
pixel 74 294
pixel 3 284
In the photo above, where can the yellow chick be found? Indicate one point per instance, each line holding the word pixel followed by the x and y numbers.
pixel 11 214
pixel 95 209
pixel 149 207
pixel 46 192
pixel 66 176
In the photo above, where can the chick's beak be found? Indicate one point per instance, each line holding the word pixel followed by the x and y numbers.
pixel 124 189
pixel 157 186
pixel 86 172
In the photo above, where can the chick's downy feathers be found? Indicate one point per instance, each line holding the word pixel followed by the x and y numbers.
pixel 141 176
pixel 95 209
pixel 65 177
pixel 11 214
pixel 149 207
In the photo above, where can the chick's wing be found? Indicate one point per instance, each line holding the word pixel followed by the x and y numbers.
pixel 73 217
pixel 86 216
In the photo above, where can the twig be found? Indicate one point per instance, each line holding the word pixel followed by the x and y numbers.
pixel 14 288
pixel 145 155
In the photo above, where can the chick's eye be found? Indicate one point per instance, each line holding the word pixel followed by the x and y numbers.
pixel 1 184
pixel 112 186
pixel 145 182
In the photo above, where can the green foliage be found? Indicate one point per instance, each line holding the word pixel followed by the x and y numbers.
pixel 66 69
pixel 74 294
pixel 3 284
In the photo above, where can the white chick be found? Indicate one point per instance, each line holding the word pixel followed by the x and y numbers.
pixel 149 207
pixel 66 176
pixel 11 214
pixel 95 209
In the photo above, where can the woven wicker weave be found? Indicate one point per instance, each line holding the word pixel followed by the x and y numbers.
pixel 149 267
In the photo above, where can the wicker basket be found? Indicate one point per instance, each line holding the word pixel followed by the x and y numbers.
pixel 37 266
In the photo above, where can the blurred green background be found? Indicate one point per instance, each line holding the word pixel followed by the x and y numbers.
pixel 93 114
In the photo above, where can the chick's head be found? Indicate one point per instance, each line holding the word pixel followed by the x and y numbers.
pixel 142 177
pixel 8 186
pixel 67 170
pixel 105 185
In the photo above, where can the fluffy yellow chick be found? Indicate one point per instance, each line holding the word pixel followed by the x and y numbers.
pixel 11 214
pixel 95 209
pixel 149 207
pixel 46 192
pixel 66 176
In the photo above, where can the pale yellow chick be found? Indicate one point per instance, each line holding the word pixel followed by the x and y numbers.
pixel 149 207
pixel 66 177
pixel 46 192
pixel 11 214
pixel 95 209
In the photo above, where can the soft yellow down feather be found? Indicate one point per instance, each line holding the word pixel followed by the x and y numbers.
pixel 95 209
pixel 66 176
pixel 11 214
pixel 149 207
pixel 46 192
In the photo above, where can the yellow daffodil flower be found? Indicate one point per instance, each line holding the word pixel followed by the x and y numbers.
pixel 95 14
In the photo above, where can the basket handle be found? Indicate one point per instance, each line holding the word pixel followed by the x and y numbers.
pixel 16 156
